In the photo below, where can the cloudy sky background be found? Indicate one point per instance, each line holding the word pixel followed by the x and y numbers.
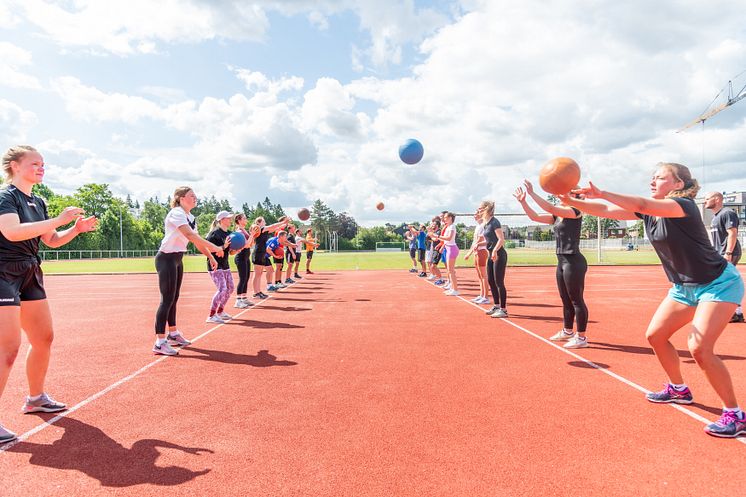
pixel 298 100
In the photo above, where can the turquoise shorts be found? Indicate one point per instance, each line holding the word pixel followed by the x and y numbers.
pixel 728 287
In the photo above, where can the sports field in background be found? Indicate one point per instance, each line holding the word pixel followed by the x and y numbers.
pixel 340 261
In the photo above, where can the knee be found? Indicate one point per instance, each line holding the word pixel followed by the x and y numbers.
pixel 42 339
pixel 9 353
pixel 700 352
pixel 655 336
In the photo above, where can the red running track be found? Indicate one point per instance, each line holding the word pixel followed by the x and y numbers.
pixel 367 384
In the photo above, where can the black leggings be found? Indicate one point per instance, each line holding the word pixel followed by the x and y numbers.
pixel 244 270
pixel 571 269
pixel 170 274
pixel 496 278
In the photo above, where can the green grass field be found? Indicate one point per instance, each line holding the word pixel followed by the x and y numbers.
pixel 342 261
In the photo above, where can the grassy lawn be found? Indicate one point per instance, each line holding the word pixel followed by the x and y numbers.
pixel 341 261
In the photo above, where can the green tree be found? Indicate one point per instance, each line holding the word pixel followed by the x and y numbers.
pixel 94 198
pixel 323 221
pixel 347 226
pixel 589 227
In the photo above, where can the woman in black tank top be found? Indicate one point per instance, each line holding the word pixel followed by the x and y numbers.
pixel 706 289
pixel 571 264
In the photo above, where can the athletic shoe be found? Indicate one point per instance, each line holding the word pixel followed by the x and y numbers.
pixel 482 300
pixel 225 316
pixel 422 275
pixel 728 426
pixel 214 319
pixel 413 270
pixel 452 293
pixel 500 313
pixel 241 304
pixel 260 295
pixel 475 298
pixel 494 309
pixel 281 285
pixel 297 276
pixel 439 282
pixel 310 272
pixel 164 349
pixel 576 343
pixel 272 288
pixel 736 318
pixel 447 286
pixel 289 281
pixel 177 339
pixel 6 435
pixel 264 295
pixel 431 277
pixel 561 336
pixel 44 403
pixel 671 395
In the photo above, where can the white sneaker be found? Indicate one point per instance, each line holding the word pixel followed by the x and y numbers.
pixel 483 300
pixel 164 349
pixel 561 336
pixel 177 339
pixel 225 316
pixel 241 304
pixel 6 435
pixel 447 286
pixel 452 293
pixel 214 319
pixel 500 313
pixel 431 277
pixel 576 343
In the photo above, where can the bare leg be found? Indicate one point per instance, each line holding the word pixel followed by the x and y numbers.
pixel 36 321
pixel 10 340
pixel 670 317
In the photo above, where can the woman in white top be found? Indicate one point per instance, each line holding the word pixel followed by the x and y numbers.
pixel 479 249
pixel 180 229
pixel 448 237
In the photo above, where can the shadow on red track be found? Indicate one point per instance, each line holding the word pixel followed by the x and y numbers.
pixel 263 359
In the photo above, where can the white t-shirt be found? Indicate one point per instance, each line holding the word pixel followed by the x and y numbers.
pixel 479 232
pixel 300 243
pixel 449 232
pixel 173 239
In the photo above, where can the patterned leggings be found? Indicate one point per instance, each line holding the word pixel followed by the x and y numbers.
pixel 223 280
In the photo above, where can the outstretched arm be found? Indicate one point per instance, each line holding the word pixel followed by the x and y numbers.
pixel 520 195
pixel 632 203
pixel 598 209
pixel 556 210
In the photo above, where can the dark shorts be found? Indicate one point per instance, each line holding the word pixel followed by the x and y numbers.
pixel 21 281
pixel 309 255
pixel 279 261
pixel 436 257
pixel 260 259
pixel 289 257
pixel 736 259
pixel 412 253
pixel 421 255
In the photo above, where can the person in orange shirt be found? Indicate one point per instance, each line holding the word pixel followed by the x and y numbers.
pixel 311 244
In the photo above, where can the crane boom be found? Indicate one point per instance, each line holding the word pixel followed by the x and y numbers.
pixel 732 99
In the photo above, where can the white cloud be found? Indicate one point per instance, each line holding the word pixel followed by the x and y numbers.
pixel 15 123
pixel 12 60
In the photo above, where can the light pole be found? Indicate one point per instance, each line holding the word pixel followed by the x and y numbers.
pixel 121 236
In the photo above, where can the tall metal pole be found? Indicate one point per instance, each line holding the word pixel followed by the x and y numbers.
pixel 599 239
pixel 121 236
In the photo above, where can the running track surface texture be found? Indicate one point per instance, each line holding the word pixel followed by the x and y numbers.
pixel 368 384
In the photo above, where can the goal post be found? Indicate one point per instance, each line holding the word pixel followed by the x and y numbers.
pixel 389 246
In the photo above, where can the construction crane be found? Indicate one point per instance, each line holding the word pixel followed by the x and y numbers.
pixel 708 113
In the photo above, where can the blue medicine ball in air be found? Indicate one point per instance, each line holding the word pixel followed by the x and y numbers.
pixel 411 151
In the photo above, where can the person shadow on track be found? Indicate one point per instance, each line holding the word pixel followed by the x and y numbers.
pixel 262 359
pixel 89 450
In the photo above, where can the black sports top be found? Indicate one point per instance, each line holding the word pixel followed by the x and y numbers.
pixel 30 209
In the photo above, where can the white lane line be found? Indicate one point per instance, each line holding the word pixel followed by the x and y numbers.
pixel 83 403
pixel 595 366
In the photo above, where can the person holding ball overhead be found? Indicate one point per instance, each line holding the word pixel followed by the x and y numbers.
pixel 571 264
pixel 24 222
pixel 705 288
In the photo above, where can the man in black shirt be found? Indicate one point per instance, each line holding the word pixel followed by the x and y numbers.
pixel 724 236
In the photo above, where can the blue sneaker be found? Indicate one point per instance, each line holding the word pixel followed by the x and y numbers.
pixel 272 288
pixel 438 282
pixel 671 395
pixel 728 426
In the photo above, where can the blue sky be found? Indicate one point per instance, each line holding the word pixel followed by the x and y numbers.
pixel 301 100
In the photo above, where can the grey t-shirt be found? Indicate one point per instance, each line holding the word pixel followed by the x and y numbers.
pixel 724 220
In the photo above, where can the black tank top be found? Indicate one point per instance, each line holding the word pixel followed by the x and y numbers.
pixel 567 233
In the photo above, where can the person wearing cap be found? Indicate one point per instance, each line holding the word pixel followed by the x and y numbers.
pixel 221 272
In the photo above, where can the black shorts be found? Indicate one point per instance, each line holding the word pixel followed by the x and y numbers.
pixel 436 257
pixel 412 253
pixel 736 259
pixel 260 259
pixel 421 255
pixel 21 281
pixel 289 257
pixel 309 255
pixel 279 261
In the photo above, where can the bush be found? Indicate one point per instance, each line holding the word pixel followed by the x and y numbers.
pixel 509 244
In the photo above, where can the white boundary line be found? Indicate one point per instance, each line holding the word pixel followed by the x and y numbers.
pixel 595 366
pixel 84 402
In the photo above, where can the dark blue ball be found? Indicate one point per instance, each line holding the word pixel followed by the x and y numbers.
pixel 411 151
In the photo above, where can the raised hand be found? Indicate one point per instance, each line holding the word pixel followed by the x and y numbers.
pixel 529 187
pixel 519 194
pixel 591 191
pixel 69 214
pixel 85 224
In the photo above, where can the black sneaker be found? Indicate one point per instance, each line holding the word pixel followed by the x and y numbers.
pixel 289 281
pixel 736 318
pixel 413 270
pixel 494 309
pixel 297 276
pixel 422 274
pixel 260 295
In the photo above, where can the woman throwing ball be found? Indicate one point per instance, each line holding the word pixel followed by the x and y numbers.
pixel 571 264
pixel 706 289
pixel 24 221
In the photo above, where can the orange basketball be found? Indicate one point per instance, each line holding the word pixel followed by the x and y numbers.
pixel 559 176
pixel 379 206
pixel 303 214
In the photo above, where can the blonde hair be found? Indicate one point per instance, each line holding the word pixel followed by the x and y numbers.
pixel 489 207
pixel 180 193
pixel 237 216
pixel 14 154
pixel 681 173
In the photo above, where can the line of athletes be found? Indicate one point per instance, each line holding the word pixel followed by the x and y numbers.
pixel 706 287
pixel 706 292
